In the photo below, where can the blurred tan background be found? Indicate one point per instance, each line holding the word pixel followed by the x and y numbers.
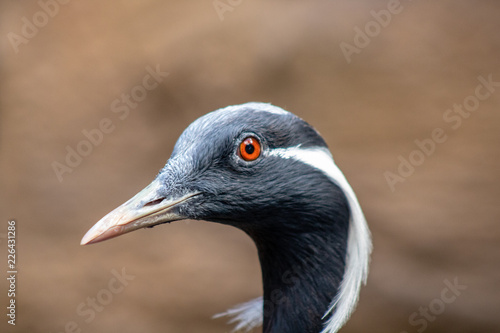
pixel 440 224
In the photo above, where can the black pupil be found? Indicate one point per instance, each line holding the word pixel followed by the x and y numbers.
pixel 249 148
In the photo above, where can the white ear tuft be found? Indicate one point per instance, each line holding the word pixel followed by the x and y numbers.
pixel 359 245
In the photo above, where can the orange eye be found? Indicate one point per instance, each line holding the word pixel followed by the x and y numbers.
pixel 249 149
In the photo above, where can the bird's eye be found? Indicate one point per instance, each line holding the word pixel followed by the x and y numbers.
pixel 249 149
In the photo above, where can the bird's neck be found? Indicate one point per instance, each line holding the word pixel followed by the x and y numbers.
pixel 301 274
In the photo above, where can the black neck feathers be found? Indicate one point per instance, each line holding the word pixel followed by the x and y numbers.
pixel 302 268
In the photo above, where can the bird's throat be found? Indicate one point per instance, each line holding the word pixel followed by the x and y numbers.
pixel 301 276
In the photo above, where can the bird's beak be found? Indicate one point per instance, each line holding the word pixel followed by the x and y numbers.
pixel 146 209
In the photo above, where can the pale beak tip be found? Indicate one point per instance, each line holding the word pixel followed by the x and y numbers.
pixel 96 235
pixel 88 239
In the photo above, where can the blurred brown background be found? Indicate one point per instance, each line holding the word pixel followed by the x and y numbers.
pixel 441 223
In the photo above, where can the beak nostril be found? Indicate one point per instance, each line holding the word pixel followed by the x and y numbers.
pixel 154 202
